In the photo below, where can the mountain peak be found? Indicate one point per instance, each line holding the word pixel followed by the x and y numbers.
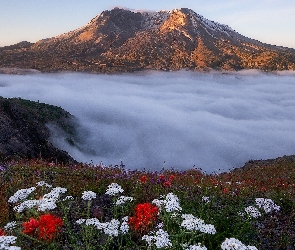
pixel 127 40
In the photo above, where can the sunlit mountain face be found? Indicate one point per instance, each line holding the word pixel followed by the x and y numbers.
pixel 121 40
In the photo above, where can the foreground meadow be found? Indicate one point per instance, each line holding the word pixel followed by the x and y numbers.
pixel 50 206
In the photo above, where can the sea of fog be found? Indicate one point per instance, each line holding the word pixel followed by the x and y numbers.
pixel 214 121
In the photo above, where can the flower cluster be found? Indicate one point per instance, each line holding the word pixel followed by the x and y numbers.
pixel 267 204
pixel 114 189
pixel 160 239
pixel 234 244
pixel 21 194
pixel 253 211
pixel 194 247
pixel 171 203
pixel 111 228
pixel 6 241
pixel 88 195
pixel 47 202
pixel 123 199
pixel 45 228
pixel 144 217
pixel 191 222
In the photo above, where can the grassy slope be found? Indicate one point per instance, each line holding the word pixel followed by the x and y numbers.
pixel 268 179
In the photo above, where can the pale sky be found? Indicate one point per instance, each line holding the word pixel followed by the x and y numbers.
pixel 269 21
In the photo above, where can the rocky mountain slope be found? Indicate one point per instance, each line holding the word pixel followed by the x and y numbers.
pixel 122 40
pixel 23 130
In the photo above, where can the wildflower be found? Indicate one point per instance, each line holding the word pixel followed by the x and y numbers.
pixel 9 226
pixel 21 195
pixel 43 183
pixel 252 211
pixel 205 199
pixel 234 244
pixel 5 241
pixel 225 190
pixel 162 177
pixel 191 223
pixel 194 247
pixel 55 193
pixel 167 184
pixel 160 239
pixel 143 179
pixel 111 228
pixel 2 232
pixel 144 218
pixel 122 199
pixel 49 226
pixel 124 228
pixel 88 195
pixel 114 189
pixel 80 221
pixel 30 226
pixel 69 197
pixel 171 178
pixel 26 204
pixel 267 204
pixel 172 203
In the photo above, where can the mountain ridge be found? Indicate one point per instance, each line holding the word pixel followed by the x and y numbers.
pixel 121 40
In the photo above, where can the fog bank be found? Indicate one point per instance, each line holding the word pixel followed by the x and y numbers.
pixel 211 121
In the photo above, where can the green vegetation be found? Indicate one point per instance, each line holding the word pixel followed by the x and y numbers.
pixel 81 221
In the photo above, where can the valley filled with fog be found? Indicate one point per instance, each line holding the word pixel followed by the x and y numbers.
pixel 174 119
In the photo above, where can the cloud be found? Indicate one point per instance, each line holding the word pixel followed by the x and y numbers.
pixel 212 121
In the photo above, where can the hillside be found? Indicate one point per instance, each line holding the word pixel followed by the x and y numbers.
pixel 24 132
pixel 120 40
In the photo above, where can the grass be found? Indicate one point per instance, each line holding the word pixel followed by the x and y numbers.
pixel 217 199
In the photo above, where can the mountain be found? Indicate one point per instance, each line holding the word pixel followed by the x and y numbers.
pixel 121 40
pixel 24 131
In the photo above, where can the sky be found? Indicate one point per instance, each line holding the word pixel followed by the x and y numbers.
pixel 269 21
pixel 177 120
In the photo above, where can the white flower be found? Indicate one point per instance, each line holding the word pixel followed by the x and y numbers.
pixel 208 229
pixel 205 199
pixel 21 194
pixel 122 199
pixel 267 204
pixel 26 204
pixel 10 225
pixel 191 223
pixel 252 211
pixel 69 197
pixel 80 221
pixel 43 183
pixel 124 228
pixel 54 193
pixel 194 247
pixel 5 241
pixel 112 227
pixel 114 189
pixel 172 203
pixel 160 239
pixel 46 204
pixel 235 244
pixel 158 203
pixel 88 195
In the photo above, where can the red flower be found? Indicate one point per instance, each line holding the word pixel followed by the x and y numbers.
pixel 30 226
pixel 2 232
pixel 162 177
pixel 50 225
pixel 143 179
pixel 172 177
pixel 167 184
pixel 144 218
pixel 46 227
pixel 225 190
